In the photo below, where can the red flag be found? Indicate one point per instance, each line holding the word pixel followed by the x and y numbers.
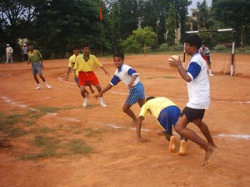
pixel 100 12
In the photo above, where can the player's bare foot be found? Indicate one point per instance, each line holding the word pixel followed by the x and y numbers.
pixel 183 148
pixel 171 147
pixel 210 153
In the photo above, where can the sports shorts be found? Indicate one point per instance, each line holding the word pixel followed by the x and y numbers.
pixel 193 114
pixel 168 117
pixel 36 68
pixel 85 77
pixel 135 93
pixel 207 58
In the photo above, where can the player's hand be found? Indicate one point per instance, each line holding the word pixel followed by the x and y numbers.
pixel 96 96
pixel 174 62
pixel 107 73
pixel 130 85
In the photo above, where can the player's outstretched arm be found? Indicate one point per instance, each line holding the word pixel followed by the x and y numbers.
pixel 108 87
pixel 138 129
pixel 105 71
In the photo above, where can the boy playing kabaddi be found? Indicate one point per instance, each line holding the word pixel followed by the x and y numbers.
pixel 131 78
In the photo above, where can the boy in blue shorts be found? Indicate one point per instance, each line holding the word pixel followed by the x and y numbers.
pixel 131 78
pixel 199 97
pixel 35 58
pixel 167 114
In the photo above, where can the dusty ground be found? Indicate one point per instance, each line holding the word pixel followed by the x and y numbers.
pixel 117 159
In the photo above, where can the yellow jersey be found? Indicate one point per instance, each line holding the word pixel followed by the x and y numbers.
pixel 155 106
pixel 82 65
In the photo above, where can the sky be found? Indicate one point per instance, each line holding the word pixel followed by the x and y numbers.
pixel 194 4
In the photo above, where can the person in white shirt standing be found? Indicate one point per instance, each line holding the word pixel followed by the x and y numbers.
pixel 25 52
pixel 205 53
pixel 199 97
pixel 9 52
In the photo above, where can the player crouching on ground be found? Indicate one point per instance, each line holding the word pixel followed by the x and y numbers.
pixel 131 78
pixel 167 114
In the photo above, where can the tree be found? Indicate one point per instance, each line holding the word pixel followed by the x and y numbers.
pixel 171 26
pixel 16 17
pixel 202 15
pixel 67 23
pixel 139 38
pixel 234 14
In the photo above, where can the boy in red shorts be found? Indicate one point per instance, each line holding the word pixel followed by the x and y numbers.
pixel 84 66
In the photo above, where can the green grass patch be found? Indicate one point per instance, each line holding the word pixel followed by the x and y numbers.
pixel 49 109
pixel 78 146
pixel 15 132
pixel 95 133
pixel 42 130
pixel 11 119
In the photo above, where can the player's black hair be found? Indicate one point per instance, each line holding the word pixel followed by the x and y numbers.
pixel 193 40
pixel 119 54
pixel 30 43
pixel 150 97
pixel 76 48
pixel 85 45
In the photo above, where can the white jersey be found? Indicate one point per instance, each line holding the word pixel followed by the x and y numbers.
pixel 9 50
pixel 205 51
pixel 199 88
pixel 125 75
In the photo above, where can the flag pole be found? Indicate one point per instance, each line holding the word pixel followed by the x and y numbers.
pixel 101 24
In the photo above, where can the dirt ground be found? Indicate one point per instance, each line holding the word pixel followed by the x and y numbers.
pixel 117 159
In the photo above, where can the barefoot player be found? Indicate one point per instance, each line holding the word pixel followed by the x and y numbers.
pixel 199 97
pixel 131 78
pixel 167 114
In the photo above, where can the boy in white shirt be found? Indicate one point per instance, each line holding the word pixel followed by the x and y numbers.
pixel 131 78
pixel 9 51
pixel 199 97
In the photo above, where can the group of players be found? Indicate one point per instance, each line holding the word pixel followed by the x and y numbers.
pixel 165 110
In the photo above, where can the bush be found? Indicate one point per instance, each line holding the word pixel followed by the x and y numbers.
pixel 220 48
pixel 178 47
pixel 164 47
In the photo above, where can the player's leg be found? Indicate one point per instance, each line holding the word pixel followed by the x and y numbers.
pixel 94 81
pixel 7 58
pixel 212 148
pixel 11 58
pixel 43 79
pixel 90 87
pixel 205 131
pixel 165 121
pixel 139 93
pixel 181 128
pixel 126 109
pixel 99 89
pixel 37 81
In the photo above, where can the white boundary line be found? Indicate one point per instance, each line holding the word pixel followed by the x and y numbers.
pixel 9 101
pixel 123 93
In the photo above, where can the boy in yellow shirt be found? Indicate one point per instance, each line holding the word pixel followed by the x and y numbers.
pixel 84 67
pixel 167 114
pixel 71 65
